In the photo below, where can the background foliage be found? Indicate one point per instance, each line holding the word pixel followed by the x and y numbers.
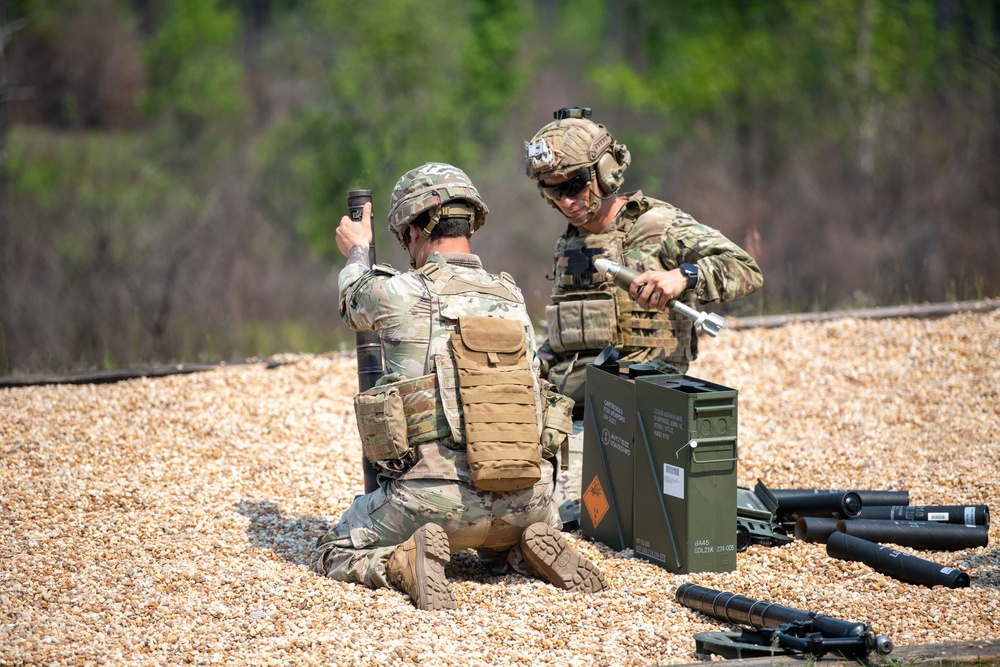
pixel 172 171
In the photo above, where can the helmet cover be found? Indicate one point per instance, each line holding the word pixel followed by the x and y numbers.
pixel 428 188
pixel 564 146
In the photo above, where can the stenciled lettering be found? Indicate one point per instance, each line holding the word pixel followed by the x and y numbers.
pixel 665 424
pixel 619 443
pixel 613 413
pixel 645 548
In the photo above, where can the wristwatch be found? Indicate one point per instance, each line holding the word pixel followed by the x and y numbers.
pixel 690 271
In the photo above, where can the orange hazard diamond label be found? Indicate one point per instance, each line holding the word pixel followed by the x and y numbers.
pixel 596 502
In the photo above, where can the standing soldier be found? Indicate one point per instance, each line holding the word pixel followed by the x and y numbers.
pixel 460 429
pixel 579 169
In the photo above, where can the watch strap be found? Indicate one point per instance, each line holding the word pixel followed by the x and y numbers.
pixel 691 271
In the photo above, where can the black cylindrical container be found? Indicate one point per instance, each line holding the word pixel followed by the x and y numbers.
pixel 896 564
pixel 815 528
pixel 841 504
pixel 638 370
pixel 968 515
pixel 868 497
pixel 607 360
pixel 917 534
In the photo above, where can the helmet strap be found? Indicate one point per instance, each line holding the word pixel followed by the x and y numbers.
pixel 596 201
pixel 425 234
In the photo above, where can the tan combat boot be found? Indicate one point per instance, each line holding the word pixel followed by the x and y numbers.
pixel 416 567
pixel 549 555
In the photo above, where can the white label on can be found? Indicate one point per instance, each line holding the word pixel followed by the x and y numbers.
pixel 673 481
pixel 970 516
pixel 937 516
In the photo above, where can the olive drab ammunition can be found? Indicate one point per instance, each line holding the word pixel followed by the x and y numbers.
pixel 684 492
pixel 608 453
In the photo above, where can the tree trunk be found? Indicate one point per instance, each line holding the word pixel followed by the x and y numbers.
pixel 866 98
pixel 8 312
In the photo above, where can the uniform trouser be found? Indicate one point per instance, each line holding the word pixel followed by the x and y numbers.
pixel 569 483
pixel 357 548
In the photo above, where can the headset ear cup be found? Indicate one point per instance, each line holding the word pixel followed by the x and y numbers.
pixel 609 174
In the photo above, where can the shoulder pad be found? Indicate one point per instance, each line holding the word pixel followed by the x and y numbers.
pixel 384 269
pixel 655 209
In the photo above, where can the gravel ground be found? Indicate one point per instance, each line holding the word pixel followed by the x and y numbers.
pixel 171 520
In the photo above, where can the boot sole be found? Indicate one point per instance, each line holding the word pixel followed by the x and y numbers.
pixel 548 553
pixel 433 554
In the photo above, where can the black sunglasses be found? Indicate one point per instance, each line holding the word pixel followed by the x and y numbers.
pixel 568 188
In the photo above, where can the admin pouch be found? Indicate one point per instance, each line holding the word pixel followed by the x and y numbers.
pixel 496 389
pixel 569 376
pixel 394 417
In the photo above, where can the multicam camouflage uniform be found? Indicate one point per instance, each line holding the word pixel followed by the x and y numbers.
pixel 414 314
pixel 588 313
pixel 648 234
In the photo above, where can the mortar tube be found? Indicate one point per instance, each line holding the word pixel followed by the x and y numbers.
pixel 815 528
pixel 741 610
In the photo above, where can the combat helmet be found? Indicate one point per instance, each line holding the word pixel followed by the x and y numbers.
pixel 439 189
pixel 572 143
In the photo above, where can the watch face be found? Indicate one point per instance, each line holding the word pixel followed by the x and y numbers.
pixel 691 272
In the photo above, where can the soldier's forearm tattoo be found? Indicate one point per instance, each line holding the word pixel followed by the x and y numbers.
pixel 358 254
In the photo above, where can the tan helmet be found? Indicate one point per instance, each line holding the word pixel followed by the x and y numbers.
pixel 568 144
pixel 437 188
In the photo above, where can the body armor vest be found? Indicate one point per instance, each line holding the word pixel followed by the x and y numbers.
pixel 589 313
pixel 481 395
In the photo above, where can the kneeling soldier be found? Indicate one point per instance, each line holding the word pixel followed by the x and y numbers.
pixel 461 429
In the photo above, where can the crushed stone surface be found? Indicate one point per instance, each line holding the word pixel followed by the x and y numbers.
pixel 171 520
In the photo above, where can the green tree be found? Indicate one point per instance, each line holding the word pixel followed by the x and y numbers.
pixel 405 82
pixel 199 115
pixel 774 74
pixel 195 79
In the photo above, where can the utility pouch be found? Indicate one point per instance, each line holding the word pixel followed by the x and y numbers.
pixel 393 418
pixel 381 423
pixel 643 327
pixel 557 423
pixel 496 388
pixel 583 324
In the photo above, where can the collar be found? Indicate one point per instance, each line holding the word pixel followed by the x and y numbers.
pixel 456 258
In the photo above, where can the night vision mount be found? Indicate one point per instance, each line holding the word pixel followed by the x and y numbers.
pixel 571 112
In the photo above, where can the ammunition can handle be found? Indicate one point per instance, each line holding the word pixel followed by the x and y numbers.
pixel 712 441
